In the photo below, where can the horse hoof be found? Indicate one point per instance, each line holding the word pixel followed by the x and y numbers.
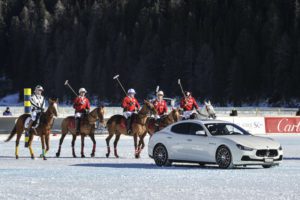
pixel 32 157
pixel 17 157
pixel 107 155
pixel 44 158
pixel 92 155
pixel 82 156
pixel 137 156
pixel 116 156
pixel 57 155
pixel 74 156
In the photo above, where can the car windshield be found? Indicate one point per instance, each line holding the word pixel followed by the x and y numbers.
pixel 225 129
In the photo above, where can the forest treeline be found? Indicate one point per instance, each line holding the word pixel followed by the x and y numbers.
pixel 238 51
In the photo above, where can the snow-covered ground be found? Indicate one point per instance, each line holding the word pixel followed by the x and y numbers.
pixel 129 178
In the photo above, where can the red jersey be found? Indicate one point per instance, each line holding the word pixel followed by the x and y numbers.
pixel 188 104
pixel 130 104
pixel 160 106
pixel 81 104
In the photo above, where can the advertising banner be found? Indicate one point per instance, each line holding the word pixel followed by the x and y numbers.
pixel 282 124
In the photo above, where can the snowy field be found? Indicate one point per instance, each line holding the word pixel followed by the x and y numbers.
pixel 129 178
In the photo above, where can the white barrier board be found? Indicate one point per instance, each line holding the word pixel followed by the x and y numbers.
pixel 254 125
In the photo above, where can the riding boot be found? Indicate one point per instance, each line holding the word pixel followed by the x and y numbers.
pixel 128 125
pixel 27 133
pixel 157 122
pixel 77 125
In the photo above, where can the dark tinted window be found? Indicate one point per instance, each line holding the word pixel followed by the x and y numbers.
pixel 186 128
pixel 225 129
pixel 182 128
pixel 194 128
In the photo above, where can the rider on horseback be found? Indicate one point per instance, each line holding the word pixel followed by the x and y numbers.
pixel 160 104
pixel 188 103
pixel 37 101
pixel 37 107
pixel 130 105
pixel 81 106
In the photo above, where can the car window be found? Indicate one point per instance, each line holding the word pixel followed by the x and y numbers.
pixel 225 129
pixel 187 128
pixel 194 128
pixel 182 128
pixel 233 130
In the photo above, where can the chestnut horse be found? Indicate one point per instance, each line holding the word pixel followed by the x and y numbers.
pixel 116 125
pixel 163 122
pixel 43 129
pixel 87 128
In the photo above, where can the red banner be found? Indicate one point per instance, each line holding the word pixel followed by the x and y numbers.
pixel 282 124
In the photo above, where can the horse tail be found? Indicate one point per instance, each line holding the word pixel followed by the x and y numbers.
pixel 12 134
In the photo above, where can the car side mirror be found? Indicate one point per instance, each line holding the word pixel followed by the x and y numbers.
pixel 201 133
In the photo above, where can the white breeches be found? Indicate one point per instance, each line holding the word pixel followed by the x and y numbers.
pixel 78 115
pixel 33 115
pixel 127 114
pixel 187 114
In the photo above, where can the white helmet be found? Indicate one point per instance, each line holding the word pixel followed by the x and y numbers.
pixel 160 93
pixel 82 90
pixel 39 87
pixel 131 91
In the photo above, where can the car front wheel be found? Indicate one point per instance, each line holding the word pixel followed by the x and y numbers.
pixel 160 155
pixel 224 158
pixel 267 166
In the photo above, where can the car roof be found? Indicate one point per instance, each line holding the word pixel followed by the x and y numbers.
pixel 206 121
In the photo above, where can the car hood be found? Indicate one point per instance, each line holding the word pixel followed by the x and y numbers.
pixel 253 141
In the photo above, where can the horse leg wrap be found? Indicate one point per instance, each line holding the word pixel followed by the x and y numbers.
pixel 116 153
pixel 43 155
pixel 31 151
pixel 137 150
pixel 17 151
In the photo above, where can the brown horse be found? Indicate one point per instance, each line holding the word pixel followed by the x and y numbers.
pixel 165 120
pixel 116 125
pixel 43 129
pixel 87 128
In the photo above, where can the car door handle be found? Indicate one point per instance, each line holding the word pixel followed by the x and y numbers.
pixel 169 137
pixel 189 140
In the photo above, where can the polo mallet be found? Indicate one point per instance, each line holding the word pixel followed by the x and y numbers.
pixel 67 84
pixel 157 89
pixel 180 85
pixel 116 77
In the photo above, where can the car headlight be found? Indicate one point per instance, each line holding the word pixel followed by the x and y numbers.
pixel 280 148
pixel 241 147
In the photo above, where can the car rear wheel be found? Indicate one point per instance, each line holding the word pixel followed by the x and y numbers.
pixel 160 155
pixel 224 158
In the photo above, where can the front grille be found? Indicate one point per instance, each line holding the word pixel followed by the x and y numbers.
pixel 267 153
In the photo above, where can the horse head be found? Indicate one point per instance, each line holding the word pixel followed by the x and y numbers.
pixel 100 113
pixel 53 106
pixel 210 110
pixel 149 107
pixel 176 114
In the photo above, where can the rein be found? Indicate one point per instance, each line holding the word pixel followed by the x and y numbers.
pixel 141 115
pixel 91 118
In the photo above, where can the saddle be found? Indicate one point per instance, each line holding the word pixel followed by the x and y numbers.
pixel 35 123
pixel 72 122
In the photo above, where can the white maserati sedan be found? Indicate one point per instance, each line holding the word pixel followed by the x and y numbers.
pixel 212 142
